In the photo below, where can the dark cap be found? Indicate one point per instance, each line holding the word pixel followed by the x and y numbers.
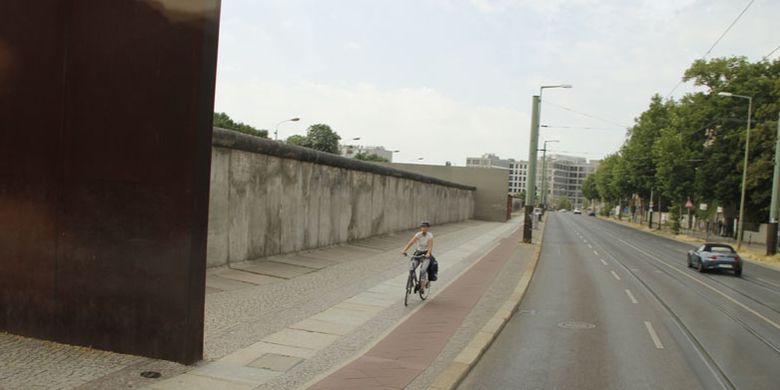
pixel 425 223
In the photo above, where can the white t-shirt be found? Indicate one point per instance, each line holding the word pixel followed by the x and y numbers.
pixel 422 241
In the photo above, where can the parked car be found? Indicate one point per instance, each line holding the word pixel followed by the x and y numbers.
pixel 715 256
pixel 591 213
pixel 577 212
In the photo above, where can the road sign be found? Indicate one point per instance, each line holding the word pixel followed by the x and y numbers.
pixel 689 204
pixel 703 206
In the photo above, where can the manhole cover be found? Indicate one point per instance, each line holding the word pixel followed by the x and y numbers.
pixel 151 374
pixel 576 325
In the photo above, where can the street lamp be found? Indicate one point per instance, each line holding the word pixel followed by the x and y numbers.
pixel 533 147
pixel 544 173
pixel 276 129
pixel 744 166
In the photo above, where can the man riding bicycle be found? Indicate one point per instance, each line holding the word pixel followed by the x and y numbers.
pixel 423 244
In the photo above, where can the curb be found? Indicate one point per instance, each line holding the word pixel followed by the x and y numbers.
pixel 657 234
pixel 457 370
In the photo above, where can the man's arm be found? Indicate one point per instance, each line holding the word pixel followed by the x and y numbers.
pixel 430 247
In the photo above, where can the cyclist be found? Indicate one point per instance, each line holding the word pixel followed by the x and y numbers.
pixel 423 244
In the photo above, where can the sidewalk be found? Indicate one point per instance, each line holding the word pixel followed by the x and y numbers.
pixel 282 322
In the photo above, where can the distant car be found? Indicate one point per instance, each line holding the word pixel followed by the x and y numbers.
pixel 715 256
pixel 577 211
pixel 563 211
pixel 591 213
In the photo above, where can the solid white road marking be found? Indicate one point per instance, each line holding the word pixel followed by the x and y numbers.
pixel 615 275
pixel 653 335
pixel 631 296
pixel 770 282
pixel 603 261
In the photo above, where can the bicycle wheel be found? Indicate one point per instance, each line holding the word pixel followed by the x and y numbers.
pixel 424 295
pixel 409 287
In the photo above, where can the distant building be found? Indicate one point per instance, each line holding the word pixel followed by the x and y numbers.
pixel 564 175
pixel 349 151
pixel 488 160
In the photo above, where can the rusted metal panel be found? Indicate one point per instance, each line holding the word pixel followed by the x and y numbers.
pixel 106 134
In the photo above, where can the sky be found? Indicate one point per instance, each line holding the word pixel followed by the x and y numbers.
pixel 442 80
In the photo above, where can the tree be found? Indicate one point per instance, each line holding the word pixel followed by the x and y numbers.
pixel 224 121
pixel 589 190
pixel 321 137
pixel 370 157
pixel 318 137
pixel 297 140
pixel 563 203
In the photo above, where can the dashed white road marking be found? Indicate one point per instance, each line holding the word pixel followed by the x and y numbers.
pixel 603 261
pixel 596 253
pixel 631 296
pixel 715 290
pixel 590 246
pixel 615 275
pixel 653 335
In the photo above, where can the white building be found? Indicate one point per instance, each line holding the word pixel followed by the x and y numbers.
pixel 349 151
pixel 564 175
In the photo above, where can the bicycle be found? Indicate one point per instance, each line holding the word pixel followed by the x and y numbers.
pixel 413 282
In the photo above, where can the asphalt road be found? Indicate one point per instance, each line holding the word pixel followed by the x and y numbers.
pixel 611 307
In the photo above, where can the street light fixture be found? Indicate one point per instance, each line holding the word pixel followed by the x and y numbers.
pixel 544 173
pixel 744 166
pixel 276 129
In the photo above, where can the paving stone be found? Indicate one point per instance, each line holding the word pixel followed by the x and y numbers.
pixel 313 325
pixel 248 277
pixel 220 283
pixel 235 372
pixel 301 339
pixel 197 382
pixel 274 269
pixel 276 362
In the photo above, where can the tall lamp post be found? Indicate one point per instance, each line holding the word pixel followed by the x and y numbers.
pixel 276 129
pixel 533 147
pixel 771 238
pixel 744 166
pixel 544 173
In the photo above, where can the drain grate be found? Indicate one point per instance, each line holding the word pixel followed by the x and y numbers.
pixel 576 325
pixel 151 374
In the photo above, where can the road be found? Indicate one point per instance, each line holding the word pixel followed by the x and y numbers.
pixel 611 307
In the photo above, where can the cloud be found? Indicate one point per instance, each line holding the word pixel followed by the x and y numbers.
pixel 421 122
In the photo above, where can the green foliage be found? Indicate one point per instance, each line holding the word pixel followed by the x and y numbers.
pixel 224 121
pixel 370 157
pixel 694 147
pixel 563 203
pixel 318 137
pixel 589 189
pixel 297 140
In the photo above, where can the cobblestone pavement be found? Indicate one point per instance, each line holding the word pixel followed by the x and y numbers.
pixel 257 300
pixel 34 364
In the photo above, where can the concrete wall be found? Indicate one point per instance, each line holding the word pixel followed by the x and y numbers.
pixel 490 198
pixel 269 198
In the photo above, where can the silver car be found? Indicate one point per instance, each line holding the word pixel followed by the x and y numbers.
pixel 715 256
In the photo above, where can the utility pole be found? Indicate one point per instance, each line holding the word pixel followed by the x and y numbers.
pixel 530 183
pixel 771 231
pixel 544 174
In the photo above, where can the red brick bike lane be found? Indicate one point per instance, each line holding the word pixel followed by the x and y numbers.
pixel 413 345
